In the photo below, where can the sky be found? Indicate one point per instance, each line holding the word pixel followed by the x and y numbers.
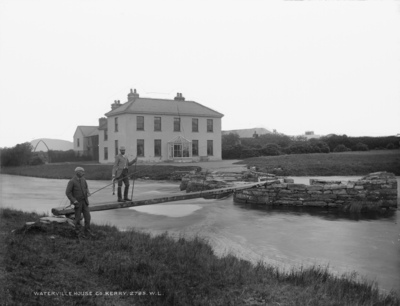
pixel 293 66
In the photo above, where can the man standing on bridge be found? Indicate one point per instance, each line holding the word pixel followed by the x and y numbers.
pixel 120 173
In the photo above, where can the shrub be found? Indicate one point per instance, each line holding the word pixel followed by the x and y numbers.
pixel 35 161
pixel 323 146
pixel 232 152
pixel 271 149
pixel 57 156
pixel 247 153
pixel 298 148
pixel 360 147
pixel 390 146
pixel 341 148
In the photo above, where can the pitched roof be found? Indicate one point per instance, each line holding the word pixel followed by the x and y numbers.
pixel 88 130
pixel 164 107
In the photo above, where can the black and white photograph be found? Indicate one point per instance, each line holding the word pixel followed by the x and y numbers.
pixel 199 152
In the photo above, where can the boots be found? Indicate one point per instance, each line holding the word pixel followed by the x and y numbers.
pixel 126 190
pixel 119 192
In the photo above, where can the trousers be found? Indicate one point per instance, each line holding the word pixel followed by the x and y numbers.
pixel 82 208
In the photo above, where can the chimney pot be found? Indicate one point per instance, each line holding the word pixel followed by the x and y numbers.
pixel 132 95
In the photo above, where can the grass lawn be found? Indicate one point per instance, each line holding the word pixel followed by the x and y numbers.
pixel 322 164
pixel 43 262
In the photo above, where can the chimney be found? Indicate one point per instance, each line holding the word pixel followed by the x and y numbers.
pixel 102 121
pixel 132 95
pixel 115 105
pixel 179 97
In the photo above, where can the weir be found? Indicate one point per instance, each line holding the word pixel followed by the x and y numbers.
pixel 214 193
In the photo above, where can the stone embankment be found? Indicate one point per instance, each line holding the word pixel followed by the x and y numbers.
pixel 201 181
pixel 374 191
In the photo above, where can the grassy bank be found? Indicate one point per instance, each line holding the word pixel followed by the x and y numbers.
pixel 39 263
pixel 321 164
pixel 94 171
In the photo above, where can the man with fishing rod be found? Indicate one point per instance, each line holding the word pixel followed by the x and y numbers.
pixel 78 192
pixel 120 173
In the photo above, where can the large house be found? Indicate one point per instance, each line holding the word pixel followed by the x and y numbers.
pixel 158 130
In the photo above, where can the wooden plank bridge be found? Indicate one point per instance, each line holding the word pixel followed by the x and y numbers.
pixel 213 193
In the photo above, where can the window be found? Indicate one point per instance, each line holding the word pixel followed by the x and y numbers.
pixel 195 125
pixel 177 150
pixel 116 147
pixel 195 148
pixel 210 148
pixel 77 142
pixel 105 135
pixel 105 153
pixel 140 123
pixel 157 124
pixel 116 124
pixel 210 125
pixel 177 124
pixel 140 147
pixel 157 147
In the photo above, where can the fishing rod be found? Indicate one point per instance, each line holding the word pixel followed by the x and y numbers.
pixel 121 178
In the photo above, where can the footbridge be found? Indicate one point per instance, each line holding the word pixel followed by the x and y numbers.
pixel 214 193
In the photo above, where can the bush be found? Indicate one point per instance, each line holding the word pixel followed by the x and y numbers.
pixel 247 153
pixel 298 148
pixel 35 161
pixel 341 148
pixel 323 147
pixel 57 156
pixel 360 147
pixel 232 152
pixel 271 149
pixel 390 146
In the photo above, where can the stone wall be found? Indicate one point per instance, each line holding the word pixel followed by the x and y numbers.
pixel 374 191
pixel 200 181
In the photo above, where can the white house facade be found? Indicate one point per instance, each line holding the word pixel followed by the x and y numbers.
pixel 160 130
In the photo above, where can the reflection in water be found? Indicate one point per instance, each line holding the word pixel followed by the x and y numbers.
pixel 368 244
pixel 331 214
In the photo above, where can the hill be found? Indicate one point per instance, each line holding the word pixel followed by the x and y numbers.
pixel 246 133
pixel 52 144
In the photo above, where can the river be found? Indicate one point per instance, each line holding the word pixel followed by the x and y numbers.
pixel 366 244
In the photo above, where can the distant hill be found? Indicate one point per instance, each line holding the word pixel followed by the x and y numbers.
pixel 245 133
pixel 53 144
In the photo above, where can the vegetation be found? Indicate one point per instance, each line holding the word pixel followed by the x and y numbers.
pixel 234 147
pixel 95 171
pixel 57 156
pixel 19 155
pixel 22 154
pixel 345 163
pixel 41 261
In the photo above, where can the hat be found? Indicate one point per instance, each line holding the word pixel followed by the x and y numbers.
pixel 122 148
pixel 79 169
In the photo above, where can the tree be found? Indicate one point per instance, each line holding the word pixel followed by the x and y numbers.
pixel 341 148
pixel 19 155
pixel 231 139
pixel 271 149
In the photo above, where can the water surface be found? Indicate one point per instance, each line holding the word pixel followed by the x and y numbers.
pixel 367 244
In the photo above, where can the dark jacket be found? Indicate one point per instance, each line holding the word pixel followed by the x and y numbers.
pixel 77 190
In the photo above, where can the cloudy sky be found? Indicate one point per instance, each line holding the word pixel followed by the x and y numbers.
pixel 293 66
